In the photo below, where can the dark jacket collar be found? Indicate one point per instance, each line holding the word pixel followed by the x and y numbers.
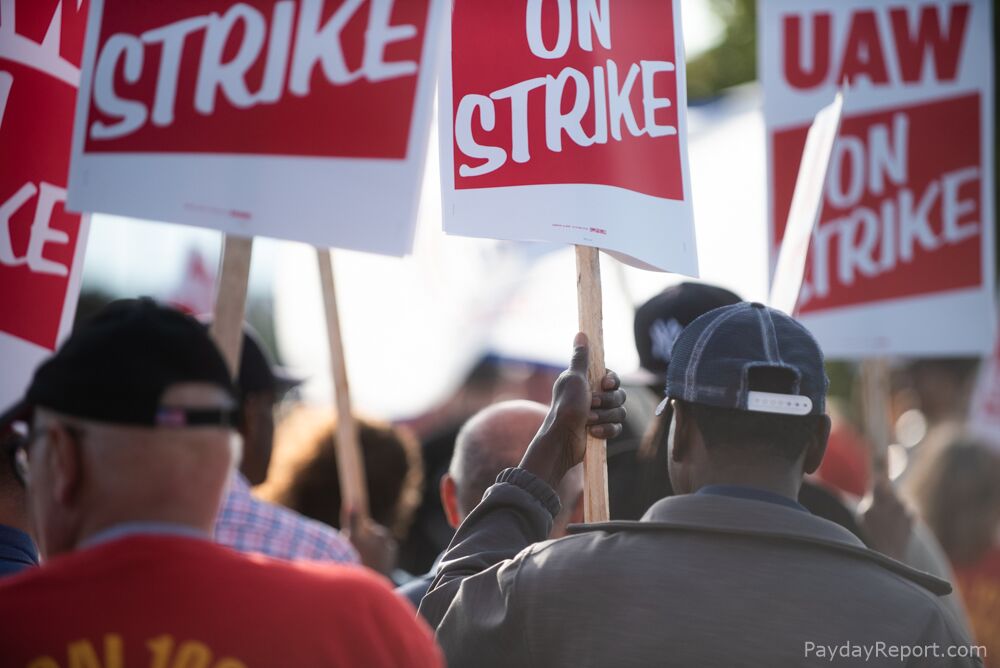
pixel 17 550
pixel 711 513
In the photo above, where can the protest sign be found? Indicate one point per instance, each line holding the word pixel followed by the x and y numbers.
pixel 41 244
pixel 566 122
pixel 299 119
pixel 904 245
pixel 807 202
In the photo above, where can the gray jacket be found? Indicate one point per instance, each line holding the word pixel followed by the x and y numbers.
pixel 702 580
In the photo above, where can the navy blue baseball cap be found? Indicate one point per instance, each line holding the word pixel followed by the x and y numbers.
pixel 719 357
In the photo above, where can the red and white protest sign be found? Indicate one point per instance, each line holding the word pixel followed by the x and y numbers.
pixel 297 119
pixel 806 206
pixel 901 261
pixel 41 244
pixel 565 121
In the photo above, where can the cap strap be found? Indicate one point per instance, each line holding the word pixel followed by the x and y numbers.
pixel 785 404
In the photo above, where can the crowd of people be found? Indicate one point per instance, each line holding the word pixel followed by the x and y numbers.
pixel 144 520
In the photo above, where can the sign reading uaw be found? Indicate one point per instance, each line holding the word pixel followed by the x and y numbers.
pixel 41 244
pixel 902 260
pixel 565 121
pixel 297 119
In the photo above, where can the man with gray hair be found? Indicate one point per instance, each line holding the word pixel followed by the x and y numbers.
pixel 490 441
pixel 130 447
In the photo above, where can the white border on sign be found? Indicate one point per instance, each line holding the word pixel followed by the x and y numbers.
pixel 218 190
pixel 75 281
pixel 874 328
pixel 666 245
pixel 932 319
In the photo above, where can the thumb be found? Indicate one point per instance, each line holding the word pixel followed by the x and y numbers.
pixel 581 355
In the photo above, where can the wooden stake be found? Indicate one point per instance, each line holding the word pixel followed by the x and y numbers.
pixel 350 464
pixel 231 299
pixel 595 459
pixel 875 396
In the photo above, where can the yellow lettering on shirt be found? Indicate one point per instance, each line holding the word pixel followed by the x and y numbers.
pixel 192 654
pixel 114 651
pixel 43 662
pixel 164 652
pixel 82 655
pixel 161 647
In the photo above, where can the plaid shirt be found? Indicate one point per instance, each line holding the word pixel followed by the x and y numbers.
pixel 248 524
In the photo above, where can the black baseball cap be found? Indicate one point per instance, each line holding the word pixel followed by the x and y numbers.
pixel 717 358
pixel 661 320
pixel 258 372
pixel 116 367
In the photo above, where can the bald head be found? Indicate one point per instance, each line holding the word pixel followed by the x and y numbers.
pixel 86 476
pixel 492 440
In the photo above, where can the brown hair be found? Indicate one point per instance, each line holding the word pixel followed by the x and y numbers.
pixel 956 486
pixel 303 473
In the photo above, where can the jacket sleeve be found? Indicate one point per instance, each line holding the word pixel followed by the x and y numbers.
pixel 473 602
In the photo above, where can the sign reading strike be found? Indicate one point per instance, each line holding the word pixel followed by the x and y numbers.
pixel 297 119
pixel 565 121
pixel 41 244
pixel 904 245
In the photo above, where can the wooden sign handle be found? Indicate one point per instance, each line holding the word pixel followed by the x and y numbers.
pixel 350 464
pixel 875 397
pixel 231 299
pixel 595 459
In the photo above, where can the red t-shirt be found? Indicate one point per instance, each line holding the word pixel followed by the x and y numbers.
pixel 173 602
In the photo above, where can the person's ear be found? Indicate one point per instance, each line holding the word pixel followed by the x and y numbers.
pixel 449 500
pixel 817 445
pixel 683 423
pixel 63 458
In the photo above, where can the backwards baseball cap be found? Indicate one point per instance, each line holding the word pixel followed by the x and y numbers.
pixel 749 357
pixel 661 320
pixel 116 367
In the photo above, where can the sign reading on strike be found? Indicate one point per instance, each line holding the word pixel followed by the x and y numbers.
pixel 565 121
pixel 904 245
pixel 296 119
pixel 41 244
